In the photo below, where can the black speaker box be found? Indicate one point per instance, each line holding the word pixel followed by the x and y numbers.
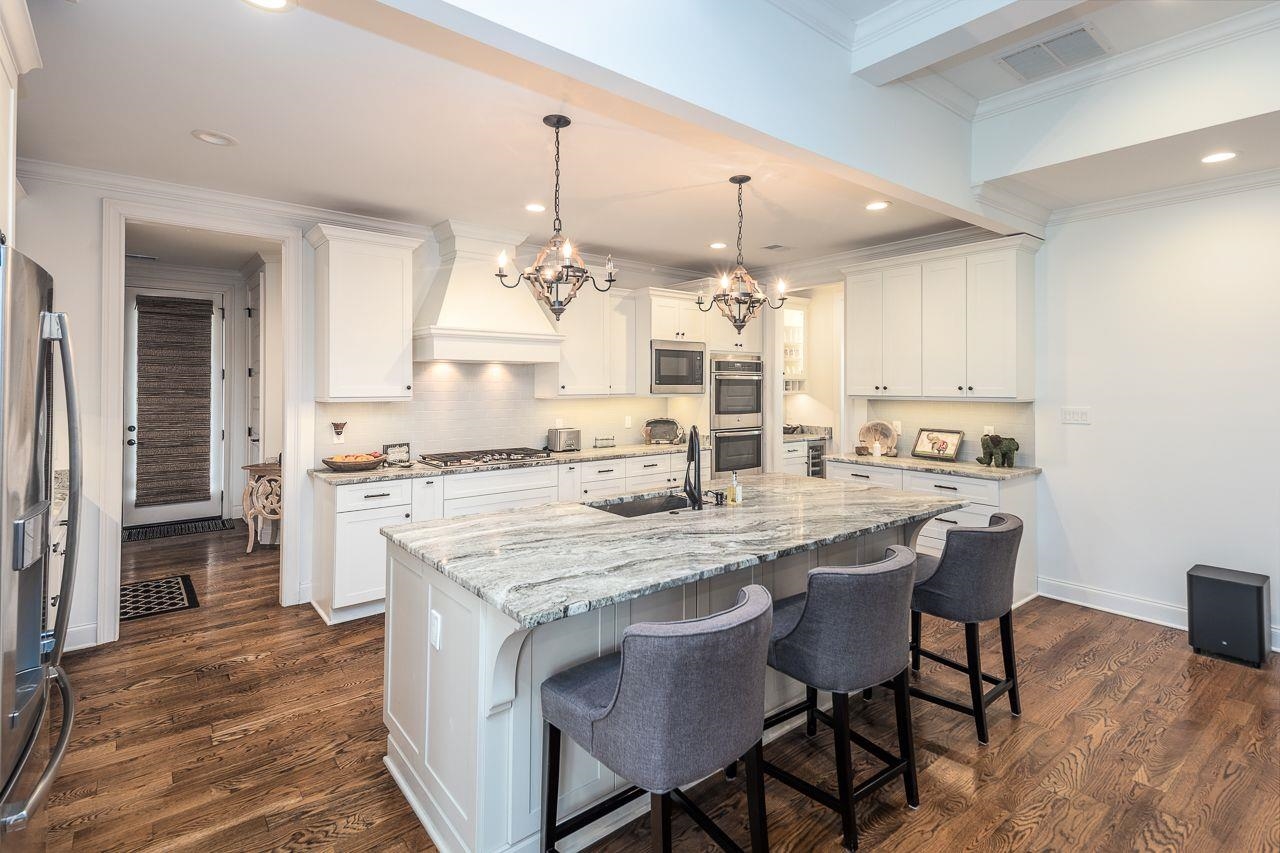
pixel 1229 613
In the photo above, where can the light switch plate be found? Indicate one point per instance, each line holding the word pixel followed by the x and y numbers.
pixel 897 427
pixel 627 422
pixel 433 630
pixel 559 423
pixel 1076 415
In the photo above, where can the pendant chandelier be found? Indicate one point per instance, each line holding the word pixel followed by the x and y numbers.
pixel 558 271
pixel 739 297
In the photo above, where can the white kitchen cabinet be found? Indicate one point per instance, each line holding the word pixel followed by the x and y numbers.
pixel 675 316
pixel 598 353
pixel 722 337
pixel 569 481
pixel 349 570
pixel 866 475
pixel 361 554
pixel 951 323
pixel 428 498
pixel 364 314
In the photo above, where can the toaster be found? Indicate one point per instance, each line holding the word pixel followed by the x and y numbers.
pixel 561 439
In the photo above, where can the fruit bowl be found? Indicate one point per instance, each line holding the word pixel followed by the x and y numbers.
pixel 354 462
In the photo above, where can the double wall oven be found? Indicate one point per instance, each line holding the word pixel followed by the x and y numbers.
pixel 737 413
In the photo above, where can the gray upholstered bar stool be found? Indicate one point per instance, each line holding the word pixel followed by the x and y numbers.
pixel 843 635
pixel 680 701
pixel 971 582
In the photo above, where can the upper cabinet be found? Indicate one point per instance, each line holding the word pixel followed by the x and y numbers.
pixel 950 323
pixel 723 337
pixel 795 346
pixel 675 317
pixel 364 314
pixel 598 353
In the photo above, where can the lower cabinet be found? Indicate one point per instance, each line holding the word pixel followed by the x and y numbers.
pixel 795 458
pixel 360 553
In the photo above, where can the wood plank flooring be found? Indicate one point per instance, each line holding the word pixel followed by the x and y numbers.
pixel 245 726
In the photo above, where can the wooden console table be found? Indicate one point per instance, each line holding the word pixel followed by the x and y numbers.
pixel 261 498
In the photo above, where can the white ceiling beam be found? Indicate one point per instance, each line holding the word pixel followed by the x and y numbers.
pixel 910 35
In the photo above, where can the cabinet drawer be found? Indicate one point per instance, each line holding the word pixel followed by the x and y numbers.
pixel 644 466
pixel 868 475
pixel 474 504
pixel 373 495
pixel 795 449
pixel 938 527
pixel 497 482
pixel 597 489
pixel 651 482
pixel 610 469
pixel 979 491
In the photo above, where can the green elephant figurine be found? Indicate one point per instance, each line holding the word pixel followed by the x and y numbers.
pixel 998 451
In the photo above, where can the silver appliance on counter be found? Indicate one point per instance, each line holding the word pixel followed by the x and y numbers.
pixel 663 431
pixel 737 414
pixel 677 367
pixel 31 649
pixel 561 439
pixel 737 391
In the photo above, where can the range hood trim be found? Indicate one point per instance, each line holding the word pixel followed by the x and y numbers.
pixel 440 343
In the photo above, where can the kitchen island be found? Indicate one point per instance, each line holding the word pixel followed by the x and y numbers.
pixel 482 609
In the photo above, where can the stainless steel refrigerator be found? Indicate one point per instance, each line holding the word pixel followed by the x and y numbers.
pixel 31 333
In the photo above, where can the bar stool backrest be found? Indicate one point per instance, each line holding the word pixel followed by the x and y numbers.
pixel 853 632
pixel 690 697
pixel 974 580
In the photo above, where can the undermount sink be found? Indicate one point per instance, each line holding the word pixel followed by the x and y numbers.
pixel 644 506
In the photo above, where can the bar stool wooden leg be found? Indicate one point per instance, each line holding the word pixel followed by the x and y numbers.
pixel 844 769
pixel 973 656
pixel 906 739
pixel 756 814
pixel 660 822
pixel 550 785
pixel 811 712
pixel 915 640
pixel 1010 662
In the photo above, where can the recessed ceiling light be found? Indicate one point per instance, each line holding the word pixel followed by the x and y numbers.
pixel 1218 157
pixel 719 245
pixel 534 207
pixel 878 205
pixel 213 137
pixel 271 5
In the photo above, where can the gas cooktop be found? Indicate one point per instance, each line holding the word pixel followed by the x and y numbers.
pixel 482 457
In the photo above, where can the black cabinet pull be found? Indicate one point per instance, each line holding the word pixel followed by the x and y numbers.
pixel 378 495
pixel 408 387
pixel 970 387
pixel 877 387
pixel 651 465
pixel 948 488
pixel 863 476
pixel 605 471
pixel 946 521
pixel 406 515
pixel 959 387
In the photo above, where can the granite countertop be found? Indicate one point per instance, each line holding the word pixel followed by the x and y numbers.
pixel 418 469
pixel 934 466
pixel 543 563
pixel 788 438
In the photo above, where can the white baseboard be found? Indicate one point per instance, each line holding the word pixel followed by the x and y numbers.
pixel 82 636
pixel 1124 604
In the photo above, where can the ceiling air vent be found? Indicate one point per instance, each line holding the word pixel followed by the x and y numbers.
pixel 1051 55
pixel 776 247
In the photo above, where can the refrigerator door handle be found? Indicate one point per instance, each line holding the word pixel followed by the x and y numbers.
pixel 15 817
pixel 55 327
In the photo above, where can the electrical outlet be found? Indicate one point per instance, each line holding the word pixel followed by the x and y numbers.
pixel 1076 415
pixel 897 427
pixel 339 438
pixel 988 430
pixel 559 423
pixel 626 422
pixel 433 630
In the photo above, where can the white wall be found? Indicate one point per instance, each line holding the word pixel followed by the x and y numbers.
pixel 1164 322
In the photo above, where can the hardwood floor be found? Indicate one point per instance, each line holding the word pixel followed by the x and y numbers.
pixel 245 726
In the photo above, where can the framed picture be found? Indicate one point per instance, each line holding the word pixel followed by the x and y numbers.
pixel 397 454
pixel 937 443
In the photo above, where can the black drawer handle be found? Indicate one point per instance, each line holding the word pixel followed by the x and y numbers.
pixel 378 495
pixel 946 521
pixel 604 470
pixel 948 488
pixel 863 476
pixel 652 465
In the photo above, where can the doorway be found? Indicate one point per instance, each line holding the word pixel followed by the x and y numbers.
pixel 175 410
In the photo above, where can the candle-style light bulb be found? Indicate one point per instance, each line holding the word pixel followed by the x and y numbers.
pixel 782 287
pixel 567 251
pixel 724 282
pixel 608 264
pixel 502 260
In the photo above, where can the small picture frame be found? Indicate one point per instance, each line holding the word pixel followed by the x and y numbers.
pixel 397 454
pixel 936 443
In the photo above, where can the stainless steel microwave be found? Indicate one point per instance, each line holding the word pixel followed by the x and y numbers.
pixel 677 367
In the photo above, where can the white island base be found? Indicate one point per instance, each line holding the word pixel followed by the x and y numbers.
pixel 462 703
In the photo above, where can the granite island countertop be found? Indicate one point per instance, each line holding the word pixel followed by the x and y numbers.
pixel 543 563
pixel 934 466
pixel 419 469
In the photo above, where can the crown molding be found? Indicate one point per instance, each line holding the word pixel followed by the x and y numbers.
pixel 944 93
pixel 1217 34
pixel 19 52
pixel 1007 201
pixel 821 17
pixel 115 184
pixel 898 15
pixel 1174 195
pixel 1021 242
pixel 826 269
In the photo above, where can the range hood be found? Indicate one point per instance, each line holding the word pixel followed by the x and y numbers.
pixel 468 316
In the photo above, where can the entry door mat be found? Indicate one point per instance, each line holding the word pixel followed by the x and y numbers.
pixel 153 597
pixel 179 528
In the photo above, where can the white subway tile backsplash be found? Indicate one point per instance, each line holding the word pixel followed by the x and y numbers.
pixel 464 406
pixel 1012 420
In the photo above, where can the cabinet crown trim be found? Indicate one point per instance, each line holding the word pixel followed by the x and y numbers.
pixel 1019 242
pixel 322 233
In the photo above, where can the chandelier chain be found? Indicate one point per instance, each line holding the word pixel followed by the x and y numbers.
pixel 556 224
pixel 739 224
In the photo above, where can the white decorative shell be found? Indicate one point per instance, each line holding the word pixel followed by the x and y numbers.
pixel 881 431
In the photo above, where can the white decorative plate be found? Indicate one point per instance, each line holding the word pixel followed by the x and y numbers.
pixel 881 431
